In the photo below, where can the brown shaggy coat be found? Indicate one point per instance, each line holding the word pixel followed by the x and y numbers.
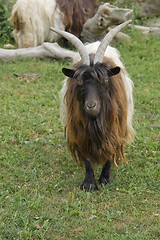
pixel 76 13
pixel 103 138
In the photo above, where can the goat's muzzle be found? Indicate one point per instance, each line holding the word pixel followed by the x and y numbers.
pixel 92 108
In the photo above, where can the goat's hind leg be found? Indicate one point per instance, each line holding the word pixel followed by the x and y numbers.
pixel 89 183
pixel 106 173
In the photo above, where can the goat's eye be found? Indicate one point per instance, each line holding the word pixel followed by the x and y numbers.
pixel 106 79
pixel 80 82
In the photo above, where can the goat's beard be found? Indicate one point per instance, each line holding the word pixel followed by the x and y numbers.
pixel 95 130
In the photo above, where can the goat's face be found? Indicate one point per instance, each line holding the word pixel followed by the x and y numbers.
pixel 91 85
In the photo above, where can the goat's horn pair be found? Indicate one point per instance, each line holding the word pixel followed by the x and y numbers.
pixel 102 47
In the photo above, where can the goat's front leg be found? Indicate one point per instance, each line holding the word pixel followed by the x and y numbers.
pixel 106 173
pixel 89 183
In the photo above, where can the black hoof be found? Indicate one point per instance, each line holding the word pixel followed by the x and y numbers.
pixel 104 180
pixel 89 187
pixel 106 174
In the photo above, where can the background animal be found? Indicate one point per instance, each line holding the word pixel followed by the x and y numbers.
pixel 32 19
pixel 97 107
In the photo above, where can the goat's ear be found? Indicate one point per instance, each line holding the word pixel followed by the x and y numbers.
pixel 114 71
pixel 68 72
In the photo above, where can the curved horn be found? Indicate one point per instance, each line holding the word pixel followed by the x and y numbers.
pixel 106 41
pixel 76 42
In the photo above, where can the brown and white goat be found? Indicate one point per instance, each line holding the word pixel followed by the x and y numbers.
pixel 32 19
pixel 97 107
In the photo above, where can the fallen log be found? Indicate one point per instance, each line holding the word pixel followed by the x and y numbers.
pixel 148 30
pixel 46 50
pixel 106 17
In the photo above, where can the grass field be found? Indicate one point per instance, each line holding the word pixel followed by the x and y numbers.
pixel 39 182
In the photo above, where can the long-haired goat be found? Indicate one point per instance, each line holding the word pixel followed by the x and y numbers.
pixel 32 19
pixel 97 107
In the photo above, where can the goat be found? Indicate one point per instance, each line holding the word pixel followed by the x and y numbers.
pixel 97 107
pixel 32 19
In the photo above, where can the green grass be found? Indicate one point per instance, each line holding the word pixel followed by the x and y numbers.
pixel 39 181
